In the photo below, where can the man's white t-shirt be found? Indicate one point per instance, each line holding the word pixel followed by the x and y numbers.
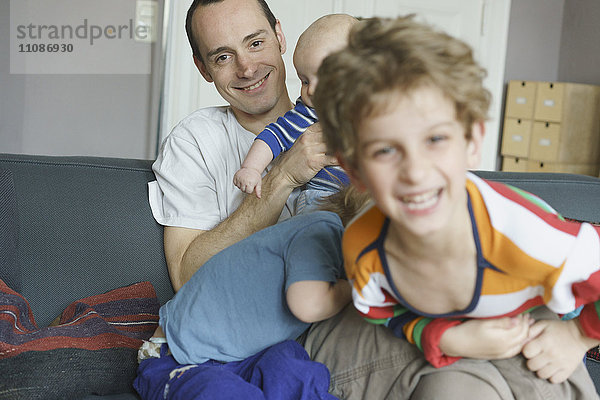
pixel 195 167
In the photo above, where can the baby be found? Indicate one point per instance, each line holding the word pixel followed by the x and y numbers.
pixel 323 37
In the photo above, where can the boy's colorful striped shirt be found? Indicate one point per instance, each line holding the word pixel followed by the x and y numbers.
pixel 528 256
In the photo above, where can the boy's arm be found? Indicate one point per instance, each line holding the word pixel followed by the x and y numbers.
pixel 557 348
pixel 281 135
pixel 488 339
pixel 426 334
pixel 444 341
pixel 376 306
pixel 258 157
pixel 312 301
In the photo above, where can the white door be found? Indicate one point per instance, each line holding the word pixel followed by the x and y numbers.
pixel 470 20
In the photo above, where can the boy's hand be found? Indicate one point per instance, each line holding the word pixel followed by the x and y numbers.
pixel 556 348
pixel 248 180
pixel 488 339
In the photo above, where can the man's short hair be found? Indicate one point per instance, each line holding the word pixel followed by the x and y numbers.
pixel 199 3
pixel 392 57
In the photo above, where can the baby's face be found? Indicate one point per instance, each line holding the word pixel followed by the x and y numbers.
pixel 307 61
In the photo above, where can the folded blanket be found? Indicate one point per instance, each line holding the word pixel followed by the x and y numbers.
pixel 91 350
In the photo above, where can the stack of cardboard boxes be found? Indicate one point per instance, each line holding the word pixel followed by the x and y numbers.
pixel 551 127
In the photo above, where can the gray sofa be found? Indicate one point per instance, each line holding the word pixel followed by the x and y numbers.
pixel 85 227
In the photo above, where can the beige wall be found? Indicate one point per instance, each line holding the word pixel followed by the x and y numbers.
pixel 580 44
pixel 554 40
pixel 103 115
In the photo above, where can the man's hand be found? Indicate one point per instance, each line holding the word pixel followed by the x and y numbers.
pixel 306 157
pixel 248 180
pixel 488 339
pixel 556 348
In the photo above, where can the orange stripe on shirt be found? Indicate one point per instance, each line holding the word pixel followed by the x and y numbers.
pixel 409 329
pixel 366 230
pixel 502 253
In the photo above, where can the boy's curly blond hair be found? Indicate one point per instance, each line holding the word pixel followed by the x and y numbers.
pixel 387 58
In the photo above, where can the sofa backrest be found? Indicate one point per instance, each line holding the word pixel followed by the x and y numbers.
pixel 84 227
pixel 573 196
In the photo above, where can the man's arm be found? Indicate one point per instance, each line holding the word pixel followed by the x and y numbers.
pixel 186 250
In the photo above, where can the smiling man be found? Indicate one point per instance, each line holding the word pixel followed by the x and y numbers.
pixel 238 46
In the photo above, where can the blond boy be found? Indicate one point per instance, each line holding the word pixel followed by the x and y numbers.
pixel 403 109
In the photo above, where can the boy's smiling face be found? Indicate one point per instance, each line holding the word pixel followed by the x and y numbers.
pixel 413 157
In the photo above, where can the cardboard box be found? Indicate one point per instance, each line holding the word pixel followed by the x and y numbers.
pixel 545 141
pixel 514 164
pixel 549 101
pixel 518 164
pixel 520 99
pixel 516 136
pixel 567 123
pixel 580 125
pixel 581 169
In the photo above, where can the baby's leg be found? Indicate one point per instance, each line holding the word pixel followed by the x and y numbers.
pixel 151 348
pixel 159 333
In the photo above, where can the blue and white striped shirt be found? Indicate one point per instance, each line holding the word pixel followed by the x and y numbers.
pixel 281 135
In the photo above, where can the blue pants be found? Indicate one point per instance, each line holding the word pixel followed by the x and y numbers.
pixel 282 371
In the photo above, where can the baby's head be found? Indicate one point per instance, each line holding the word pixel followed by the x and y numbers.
pixel 387 59
pixel 326 35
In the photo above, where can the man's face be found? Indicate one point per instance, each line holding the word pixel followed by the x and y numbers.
pixel 241 54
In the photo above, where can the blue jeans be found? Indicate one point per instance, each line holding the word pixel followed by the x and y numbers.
pixel 280 372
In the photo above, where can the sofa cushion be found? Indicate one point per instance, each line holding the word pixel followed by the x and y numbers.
pixel 85 227
pixel 91 350
pixel 9 267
